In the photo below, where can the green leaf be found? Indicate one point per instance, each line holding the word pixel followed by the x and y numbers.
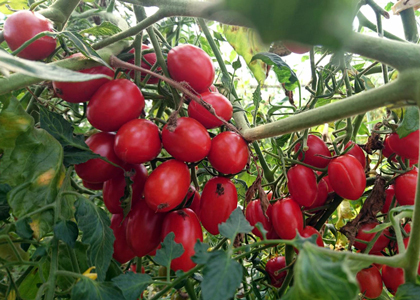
pixel 4 206
pixel 23 229
pixel 221 277
pixel 14 4
pixel 284 73
pixel 408 291
pixel 322 22
pixel 104 29
pixel 132 285
pixel 30 285
pixel 410 122
pixel 201 255
pixel 95 224
pixel 169 251
pixel 65 263
pixel 235 224
pixel 87 288
pixel 236 64
pixel 389 6
pixel 66 231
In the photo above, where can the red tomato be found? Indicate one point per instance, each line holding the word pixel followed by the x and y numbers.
pixel 96 170
pixel 327 180
pixel 407 147
pixel 228 153
pixel 387 150
pixel 370 282
pixel 347 177
pixel 167 186
pixel 296 47
pixel 24 25
pixel 114 189
pixel 357 152
pixel 195 199
pixel 392 278
pixel 380 243
pixel 122 253
pixel 191 64
pixel 390 193
pixel 321 195
pixel 287 218
pixel 270 195
pixel 114 104
pixel 92 185
pixel 254 214
pixel 218 199
pixel 151 59
pixel 76 92
pixel 221 105
pixel 185 225
pixel 273 267
pixel 309 231
pixel 405 187
pixel 189 141
pixel 144 229
pixel 316 147
pixel 302 185
pixel 213 89
pixel 130 143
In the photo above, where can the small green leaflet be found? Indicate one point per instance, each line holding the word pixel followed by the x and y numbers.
pixel 105 29
pixel 201 255
pixel 131 284
pixel 87 288
pixel 408 291
pixel 410 122
pixel 235 224
pixel 66 231
pixel 169 251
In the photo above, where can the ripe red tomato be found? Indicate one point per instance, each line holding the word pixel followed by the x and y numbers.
pixel 370 282
pixel 114 189
pixel 96 170
pixel 167 186
pixel 387 150
pixel 130 143
pixel 185 225
pixel 273 266
pixel 357 152
pixel 144 229
pixel 405 187
pixel 316 147
pixel 392 278
pixel 195 199
pixel 380 243
pixel 122 253
pixel 309 231
pixel 287 218
pixel 347 177
pixel 390 193
pixel 327 180
pixel 228 153
pixel 151 59
pixel 76 92
pixel 114 104
pixel 191 64
pixel 254 214
pixel 92 185
pixel 213 89
pixel 321 195
pixel 302 185
pixel 218 199
pixel 221 105
pixel 296 47
pixel 407 147
pixel 189 141
pixel 24 25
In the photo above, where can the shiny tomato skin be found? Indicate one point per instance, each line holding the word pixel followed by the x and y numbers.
pixel 114 189
pixel 309 231
pixel 122 253
pixel 218 200
pixel 23 25
pixel 390 193
pixel 130 143
pixel 114 104
pixel 167 186
pixel 272 267
pixel 297 47
pixel 189 141
pixel 195 199
pixel 185 225
pixel 357 152
pixel 144 228
pixel 327 180
pixel 92 185
pixel 302 185
pixel 228 153
pixel 287 218
pixel 191 64
pixel 221 105
pixel 316 147
pixel 392 278
pixel 321 195
pixel 405 187
pixel 151 59
pixel 347 177
pixel 370 282
pixel 407 147
pixel 387 151
pixel 254 214
pixel 380 243
pixel 96 170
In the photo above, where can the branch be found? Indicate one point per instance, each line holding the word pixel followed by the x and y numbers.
pixel 410 25
pixel 368 24
pixel 60 11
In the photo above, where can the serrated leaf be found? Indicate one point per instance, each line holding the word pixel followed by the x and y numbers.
pixel 74 156
pixel 201 255
pixel 104 29
pixel 132 285
pixel 284 73
pixel 67 264
pixel 4 206
pixel 87 288
pixel 169 251
pixel 408 291
pixel 410 122
pixel 237 223
pixel 221 277
pixel 95 224
pixel 67 231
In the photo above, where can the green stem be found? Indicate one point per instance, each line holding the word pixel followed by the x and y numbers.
pixel 357 122
pixel 53 270
pixel 268 174
pixel 60 11
pixel 410 25
pixel 190 289
pixel 368 24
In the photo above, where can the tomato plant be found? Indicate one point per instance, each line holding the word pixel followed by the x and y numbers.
pixel 370 282
pixel 405 187
pixel 392 278
pixel 122 253
pixel 380 243
pixel 302 185
pixel 273 266
pixel 150 60
pixel 287 218
pixel 317 154
pixel 255 214
pixel 407 147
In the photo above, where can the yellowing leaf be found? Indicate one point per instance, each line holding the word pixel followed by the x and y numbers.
pixel 92 276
